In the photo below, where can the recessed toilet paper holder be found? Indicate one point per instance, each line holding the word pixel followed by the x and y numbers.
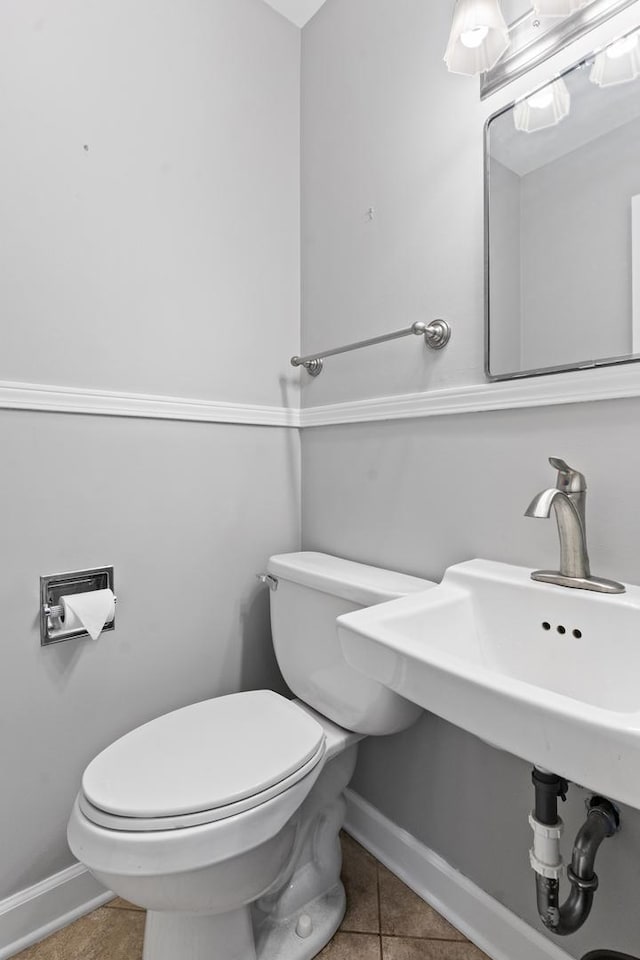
pixel 54 587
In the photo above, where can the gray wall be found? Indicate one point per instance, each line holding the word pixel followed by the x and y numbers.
pixel 385 126
pixel 163 260
pixel 177 510
pixel 420 495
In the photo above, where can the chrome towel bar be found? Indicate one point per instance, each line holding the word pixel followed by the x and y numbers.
pixel 436 336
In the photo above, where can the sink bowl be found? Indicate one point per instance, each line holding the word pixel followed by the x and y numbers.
pixel 548 673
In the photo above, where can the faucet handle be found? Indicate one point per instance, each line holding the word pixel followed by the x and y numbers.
pixel 569 480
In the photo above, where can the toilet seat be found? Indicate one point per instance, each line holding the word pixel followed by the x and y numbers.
pixel 203 763
pixel 139 853
pixel 179 822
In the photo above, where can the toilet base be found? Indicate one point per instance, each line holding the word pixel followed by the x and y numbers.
pixel 230 936
pixel 183 936
pixel 296 916
pixel 303 936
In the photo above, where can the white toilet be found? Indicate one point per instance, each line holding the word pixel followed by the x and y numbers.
pixel 222 818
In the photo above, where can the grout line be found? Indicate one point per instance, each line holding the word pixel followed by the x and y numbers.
pixel 380 952
pixel 404 936
pixel 361 933
pixel 391 936
pixel 409 936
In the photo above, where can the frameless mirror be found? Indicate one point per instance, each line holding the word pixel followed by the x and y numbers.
pixel 563 220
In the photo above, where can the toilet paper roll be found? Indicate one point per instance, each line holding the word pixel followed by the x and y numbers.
pixel 88 611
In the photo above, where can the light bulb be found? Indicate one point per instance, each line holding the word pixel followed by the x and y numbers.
pixel 621 47
pixel 474 37
pixel 542 99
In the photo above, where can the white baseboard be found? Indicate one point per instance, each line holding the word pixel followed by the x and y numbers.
pixel 499 932
pixel 32 914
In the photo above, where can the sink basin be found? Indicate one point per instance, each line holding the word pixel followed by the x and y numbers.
pixel 548 673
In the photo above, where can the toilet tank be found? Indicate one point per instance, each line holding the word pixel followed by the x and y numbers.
pixel 312 590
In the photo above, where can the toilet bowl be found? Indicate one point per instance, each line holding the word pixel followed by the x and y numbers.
pixel 222 818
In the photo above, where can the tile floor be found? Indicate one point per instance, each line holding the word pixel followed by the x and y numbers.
pixel 384 921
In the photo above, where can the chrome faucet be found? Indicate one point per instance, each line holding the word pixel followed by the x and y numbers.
pixel 568 500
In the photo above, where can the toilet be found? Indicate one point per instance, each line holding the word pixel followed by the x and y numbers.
pixel 222 818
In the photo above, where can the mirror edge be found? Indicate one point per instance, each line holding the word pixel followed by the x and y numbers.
pixel 542 371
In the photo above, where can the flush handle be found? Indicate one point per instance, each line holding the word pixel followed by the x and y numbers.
pixel 266 578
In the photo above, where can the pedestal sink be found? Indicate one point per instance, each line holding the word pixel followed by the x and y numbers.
pixel 548 673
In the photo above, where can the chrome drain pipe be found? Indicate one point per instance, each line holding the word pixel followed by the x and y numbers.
pixel 602 821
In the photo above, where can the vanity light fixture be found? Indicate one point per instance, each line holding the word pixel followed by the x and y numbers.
pixel 618 63
pixel 544 108
pixel 479 36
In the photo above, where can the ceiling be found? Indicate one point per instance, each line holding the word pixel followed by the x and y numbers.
pixel 298 11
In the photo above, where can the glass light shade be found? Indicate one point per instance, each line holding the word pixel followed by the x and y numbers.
pixel 619 63
pixel 479 36
pixel 544 108
pixel 558 8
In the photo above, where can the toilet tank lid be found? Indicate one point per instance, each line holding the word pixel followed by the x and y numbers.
pixel 357 582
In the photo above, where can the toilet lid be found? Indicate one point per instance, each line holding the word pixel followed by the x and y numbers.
pixel 203 757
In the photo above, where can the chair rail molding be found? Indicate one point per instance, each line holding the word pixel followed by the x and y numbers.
pixel 579 386
pixel 107 403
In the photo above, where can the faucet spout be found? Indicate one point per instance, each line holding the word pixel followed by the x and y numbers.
pixel 574 557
